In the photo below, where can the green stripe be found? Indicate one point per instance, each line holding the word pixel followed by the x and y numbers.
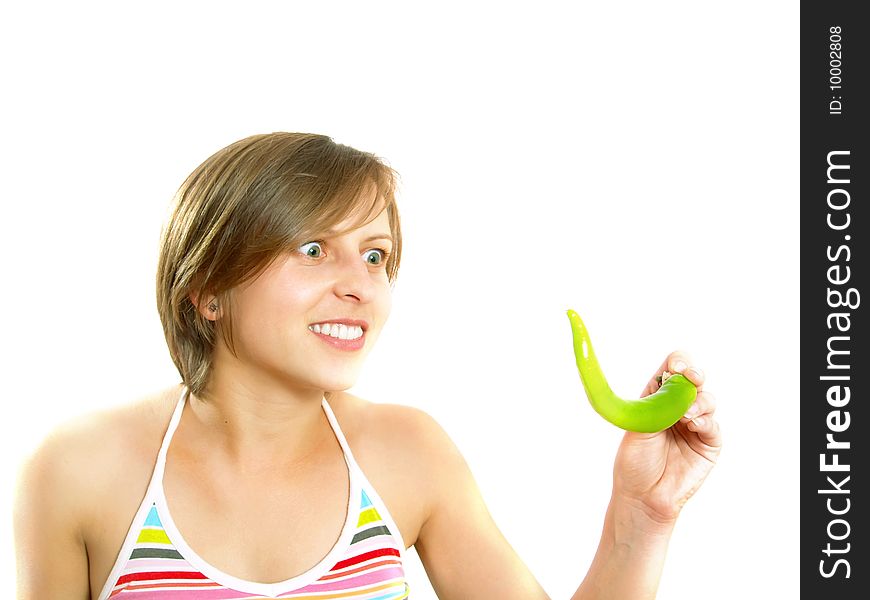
pixel 155 553
pixel 371 531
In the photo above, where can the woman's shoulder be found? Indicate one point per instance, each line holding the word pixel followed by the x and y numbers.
pixel 401 434
pixel 381 421
pixel 100 451
pixel 129 427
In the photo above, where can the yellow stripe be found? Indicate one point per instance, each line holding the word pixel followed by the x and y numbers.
pixel 367 516
pixel 153 536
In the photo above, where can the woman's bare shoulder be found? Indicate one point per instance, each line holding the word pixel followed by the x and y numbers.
pixel 89 454
pixel 382 421
pixel 406 436
pixel 123 427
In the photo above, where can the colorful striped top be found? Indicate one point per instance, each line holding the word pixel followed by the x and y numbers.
pixel 155 563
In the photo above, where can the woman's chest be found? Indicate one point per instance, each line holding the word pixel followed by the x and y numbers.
pixel 267 528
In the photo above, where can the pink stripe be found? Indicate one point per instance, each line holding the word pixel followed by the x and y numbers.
pixel 375 576
pixel 187 594
pixel 157 564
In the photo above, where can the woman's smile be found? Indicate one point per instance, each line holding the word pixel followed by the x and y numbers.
pixel 344 334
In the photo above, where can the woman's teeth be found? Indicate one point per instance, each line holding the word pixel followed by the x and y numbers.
pixel 338 330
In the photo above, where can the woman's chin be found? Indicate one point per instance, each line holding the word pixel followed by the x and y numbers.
pixel 336 383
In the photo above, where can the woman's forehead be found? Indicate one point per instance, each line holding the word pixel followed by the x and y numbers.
pixel 357 221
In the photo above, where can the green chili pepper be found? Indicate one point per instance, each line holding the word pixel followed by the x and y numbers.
pixel 650 414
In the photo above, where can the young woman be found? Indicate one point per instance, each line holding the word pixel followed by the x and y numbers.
pixel 258 476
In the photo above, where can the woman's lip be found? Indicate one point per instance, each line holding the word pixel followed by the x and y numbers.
pixel 347 345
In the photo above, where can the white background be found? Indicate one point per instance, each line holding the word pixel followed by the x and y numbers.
pixel 635 161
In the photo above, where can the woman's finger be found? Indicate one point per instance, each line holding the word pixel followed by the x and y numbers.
pixel 707 429
pixel 704 404
pixel 676 362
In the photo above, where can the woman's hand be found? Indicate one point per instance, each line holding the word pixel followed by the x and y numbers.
pixel 656 473
pixel 653 476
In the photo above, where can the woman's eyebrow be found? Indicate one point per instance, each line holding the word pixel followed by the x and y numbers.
pixel 379 236
pixel 376 236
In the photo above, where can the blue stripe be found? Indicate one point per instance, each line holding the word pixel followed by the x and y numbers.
pixel 152 520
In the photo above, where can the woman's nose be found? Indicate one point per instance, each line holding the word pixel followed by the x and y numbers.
pixel 354 281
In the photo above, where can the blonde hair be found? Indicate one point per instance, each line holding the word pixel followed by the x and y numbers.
pixel 240 210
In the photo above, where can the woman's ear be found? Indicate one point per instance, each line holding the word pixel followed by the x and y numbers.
pixel 208 309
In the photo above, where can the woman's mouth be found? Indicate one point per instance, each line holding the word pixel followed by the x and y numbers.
pixel 344 335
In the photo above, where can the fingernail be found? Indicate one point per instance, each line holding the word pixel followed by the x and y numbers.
pixel 690 414
pixel 699 421
pixel 679 366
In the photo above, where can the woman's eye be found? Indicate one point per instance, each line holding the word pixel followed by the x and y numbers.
pixel 375 256
pixel 311 249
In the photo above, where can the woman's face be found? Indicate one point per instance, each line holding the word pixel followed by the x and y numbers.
pixel 301 320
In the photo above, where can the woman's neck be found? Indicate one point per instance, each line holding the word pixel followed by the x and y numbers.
pixel 252 419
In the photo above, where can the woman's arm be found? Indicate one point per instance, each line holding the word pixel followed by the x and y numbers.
pixel 630 556
pixel 466 557
pixel 52 562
